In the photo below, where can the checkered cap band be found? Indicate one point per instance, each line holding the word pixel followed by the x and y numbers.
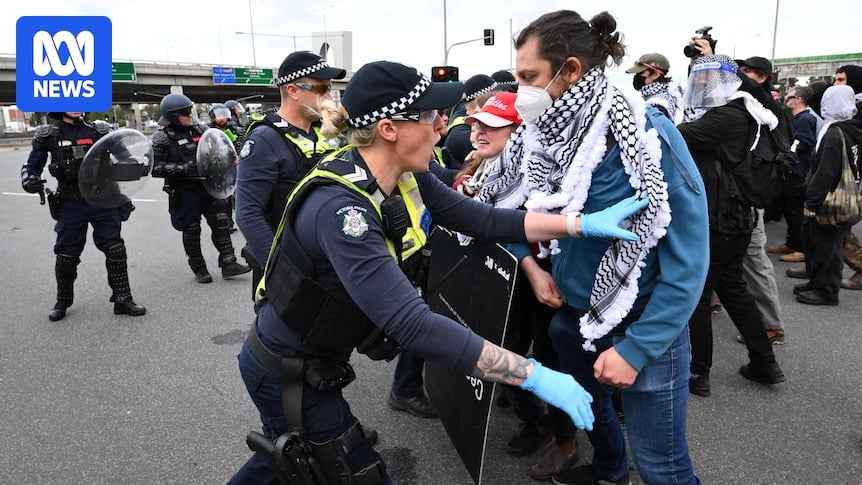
pixel 305 71
pixel 480 92
pixel 396 106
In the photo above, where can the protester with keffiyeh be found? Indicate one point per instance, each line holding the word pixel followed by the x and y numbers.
pixel 583 147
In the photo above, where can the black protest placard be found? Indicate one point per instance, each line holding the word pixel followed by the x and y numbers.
pixel 472 285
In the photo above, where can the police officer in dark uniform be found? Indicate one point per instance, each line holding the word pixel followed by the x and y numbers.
pixel 67 141
pixel 175 155
pixel 280 148
pixel 335 280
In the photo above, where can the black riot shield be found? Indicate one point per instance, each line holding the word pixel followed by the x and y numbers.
pixel 115 168
pixel 472 285
pixel 216 159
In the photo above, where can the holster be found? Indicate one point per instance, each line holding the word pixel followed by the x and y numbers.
pixel 54 204
pixel 173 197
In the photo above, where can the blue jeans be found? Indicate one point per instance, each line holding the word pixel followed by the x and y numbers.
pixel 325 415
pixel 654 406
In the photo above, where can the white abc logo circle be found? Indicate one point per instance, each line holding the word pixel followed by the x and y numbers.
pixel 82 56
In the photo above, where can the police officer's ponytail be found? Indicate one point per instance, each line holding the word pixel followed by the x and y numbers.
pixel 334 119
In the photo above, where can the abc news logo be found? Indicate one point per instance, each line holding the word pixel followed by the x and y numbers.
pixel 63 63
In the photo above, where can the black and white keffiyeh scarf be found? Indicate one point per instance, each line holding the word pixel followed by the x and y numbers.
pixel 667 95
pixel 548 167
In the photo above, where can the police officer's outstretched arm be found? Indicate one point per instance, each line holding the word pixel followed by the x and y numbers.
pixel 555 388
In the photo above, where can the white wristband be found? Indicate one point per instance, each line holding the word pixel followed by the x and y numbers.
pixel 572 224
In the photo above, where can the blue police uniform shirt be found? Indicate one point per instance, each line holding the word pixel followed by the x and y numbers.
pixel 357 258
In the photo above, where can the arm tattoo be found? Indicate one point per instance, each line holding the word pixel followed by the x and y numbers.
pixel 500 365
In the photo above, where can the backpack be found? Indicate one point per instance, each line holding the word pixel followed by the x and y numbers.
pixel 759 178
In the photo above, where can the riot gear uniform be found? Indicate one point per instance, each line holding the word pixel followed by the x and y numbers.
pixel 175 160
pixel 67 142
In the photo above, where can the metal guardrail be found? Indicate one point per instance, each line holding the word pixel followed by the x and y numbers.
pixel 15 141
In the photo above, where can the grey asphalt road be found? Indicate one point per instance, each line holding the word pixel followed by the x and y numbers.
pixel 105 399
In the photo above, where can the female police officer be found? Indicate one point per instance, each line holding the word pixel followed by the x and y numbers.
pixel 334 257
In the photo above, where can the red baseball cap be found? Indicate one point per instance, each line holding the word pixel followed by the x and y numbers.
pixel 498 111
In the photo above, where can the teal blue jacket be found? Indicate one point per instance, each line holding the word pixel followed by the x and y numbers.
pixel 672 280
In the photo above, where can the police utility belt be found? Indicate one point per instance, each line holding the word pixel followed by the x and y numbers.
pixel 298 460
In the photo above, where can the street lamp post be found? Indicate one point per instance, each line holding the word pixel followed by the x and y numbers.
pixel 294 37
pixel 251 23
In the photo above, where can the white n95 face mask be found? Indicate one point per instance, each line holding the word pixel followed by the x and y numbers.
pixel 532 101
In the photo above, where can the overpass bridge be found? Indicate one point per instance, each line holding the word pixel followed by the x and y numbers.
pixel 144 82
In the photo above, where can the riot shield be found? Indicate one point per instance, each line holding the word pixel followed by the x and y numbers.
pixel 217 163
pixel 472 285
pixel 115 168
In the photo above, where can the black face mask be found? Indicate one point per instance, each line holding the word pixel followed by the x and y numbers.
pixel 638 82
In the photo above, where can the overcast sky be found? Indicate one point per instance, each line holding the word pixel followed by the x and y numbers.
pixel 412 32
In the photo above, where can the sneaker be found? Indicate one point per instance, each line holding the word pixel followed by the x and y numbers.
pixel 783 249
pixel 794 257
pixel 699 385
pixel 775 337
pixel 812 298
pixel 234 269
pixel 586 475
pixel 555 459
pixel 852 283
pixel 797 273
pixel 418 406
pixel 529 438
pixel 715 307
pixel 769 374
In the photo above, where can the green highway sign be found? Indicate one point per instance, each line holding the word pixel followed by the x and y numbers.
pixel 123 71
pixel 250 75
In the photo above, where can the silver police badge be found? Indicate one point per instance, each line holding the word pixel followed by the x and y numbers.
pixel 246 148
pixel 354 223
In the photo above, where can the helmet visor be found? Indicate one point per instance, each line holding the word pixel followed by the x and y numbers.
pixel 710 84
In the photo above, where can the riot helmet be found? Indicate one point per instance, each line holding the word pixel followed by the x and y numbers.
pixel 237 110
pixel 712 82
pixel 219 114
pixel 174 105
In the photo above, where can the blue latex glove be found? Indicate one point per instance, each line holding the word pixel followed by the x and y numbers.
pixel 605 223
pixel 561 390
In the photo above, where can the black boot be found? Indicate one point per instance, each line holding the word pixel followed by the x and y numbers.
pixel 118 280
pixel 66 270
pixel 192 245
pixel 220 224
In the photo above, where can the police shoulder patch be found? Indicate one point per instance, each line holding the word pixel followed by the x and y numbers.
pixel 246 148
pixel 353 223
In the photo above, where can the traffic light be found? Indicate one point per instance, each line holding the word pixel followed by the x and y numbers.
pixel 444 74
pixel 488 36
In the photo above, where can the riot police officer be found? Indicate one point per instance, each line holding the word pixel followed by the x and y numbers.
pixel 280 148
pixel 67 140
pixel 335 279
pixel 222 119
pixel 174 159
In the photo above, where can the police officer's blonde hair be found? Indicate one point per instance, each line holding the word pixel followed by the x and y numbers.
pixel 334 122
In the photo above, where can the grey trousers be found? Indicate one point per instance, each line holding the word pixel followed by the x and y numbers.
pixel 759 276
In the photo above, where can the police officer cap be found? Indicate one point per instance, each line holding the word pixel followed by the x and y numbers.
pixel 478 85
pixel 504 76
pixel 306 64
pixel 380 89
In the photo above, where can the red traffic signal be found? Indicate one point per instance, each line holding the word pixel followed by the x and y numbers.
pixel 444 74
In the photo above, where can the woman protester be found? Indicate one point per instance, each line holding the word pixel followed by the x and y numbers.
pixel 335 278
